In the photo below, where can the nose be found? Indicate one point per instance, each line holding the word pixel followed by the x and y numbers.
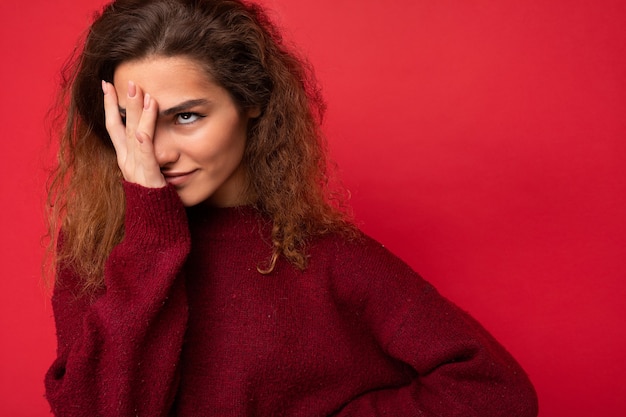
pixel 165 149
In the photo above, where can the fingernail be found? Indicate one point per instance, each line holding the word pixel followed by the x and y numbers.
pixel 146 102
pixel 138 136
pixel 132 89
pixel 104 87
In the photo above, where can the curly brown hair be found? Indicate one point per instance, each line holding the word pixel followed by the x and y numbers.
pixel 242 50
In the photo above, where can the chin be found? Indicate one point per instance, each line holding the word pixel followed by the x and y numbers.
pixel 193 200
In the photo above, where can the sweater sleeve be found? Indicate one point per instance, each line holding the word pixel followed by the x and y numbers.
pixel 454 367
pixel 118 351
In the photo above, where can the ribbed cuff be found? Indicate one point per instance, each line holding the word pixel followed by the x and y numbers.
pixel 154 215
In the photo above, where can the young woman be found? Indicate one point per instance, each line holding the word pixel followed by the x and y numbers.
pixel 203 267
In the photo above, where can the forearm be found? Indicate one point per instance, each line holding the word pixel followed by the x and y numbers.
pixel 119 356
pixel 456 368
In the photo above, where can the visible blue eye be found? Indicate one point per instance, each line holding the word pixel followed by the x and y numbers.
pixel 187 118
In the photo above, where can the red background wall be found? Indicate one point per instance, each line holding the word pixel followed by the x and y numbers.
pixel 483 142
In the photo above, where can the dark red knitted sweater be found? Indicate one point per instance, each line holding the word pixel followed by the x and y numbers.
pixel 188 327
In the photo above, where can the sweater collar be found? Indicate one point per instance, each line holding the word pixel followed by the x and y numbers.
pixel 238 222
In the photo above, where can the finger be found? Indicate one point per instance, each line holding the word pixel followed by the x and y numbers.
pixel 134 109
pixel 147 122
pixel 113 121
pixel 144 153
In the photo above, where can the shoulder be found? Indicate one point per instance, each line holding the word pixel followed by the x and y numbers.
pixel 369 282
pixel 361 254
pixel 363 267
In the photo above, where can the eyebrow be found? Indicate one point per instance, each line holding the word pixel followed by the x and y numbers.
pixel 179 108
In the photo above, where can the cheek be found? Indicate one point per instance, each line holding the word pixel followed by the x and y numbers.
pixel 234 137
pixel 220 144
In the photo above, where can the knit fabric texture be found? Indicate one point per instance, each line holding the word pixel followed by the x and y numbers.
pixel 187 326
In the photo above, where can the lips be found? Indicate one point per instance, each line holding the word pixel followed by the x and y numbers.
pixel 177 178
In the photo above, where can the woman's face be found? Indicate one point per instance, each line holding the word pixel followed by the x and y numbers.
pixel 200 134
